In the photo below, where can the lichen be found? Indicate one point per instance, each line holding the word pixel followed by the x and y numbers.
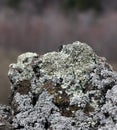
pixel 69 89
pixel 72 64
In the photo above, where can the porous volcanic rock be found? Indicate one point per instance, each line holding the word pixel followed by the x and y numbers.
pixel 72 89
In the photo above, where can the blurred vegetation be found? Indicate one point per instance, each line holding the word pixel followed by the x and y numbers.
pixel 66 4
pixel 14 3
pixel 83 4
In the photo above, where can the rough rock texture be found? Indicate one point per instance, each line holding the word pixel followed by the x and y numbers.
pixel 72 89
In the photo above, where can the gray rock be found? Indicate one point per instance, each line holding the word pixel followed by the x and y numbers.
pixel 72 89
pixel 5 118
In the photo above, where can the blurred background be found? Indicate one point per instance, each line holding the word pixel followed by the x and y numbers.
pixel 43 25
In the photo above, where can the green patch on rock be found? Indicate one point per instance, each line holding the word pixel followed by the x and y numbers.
pixel 64 74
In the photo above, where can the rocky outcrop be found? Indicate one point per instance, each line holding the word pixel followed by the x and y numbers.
pixel 72 89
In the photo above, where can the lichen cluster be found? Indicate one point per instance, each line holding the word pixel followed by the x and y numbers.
pixel 72 89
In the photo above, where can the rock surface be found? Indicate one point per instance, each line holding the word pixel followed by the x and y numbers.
pixel 72 89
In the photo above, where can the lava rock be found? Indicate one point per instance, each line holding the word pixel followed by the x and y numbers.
pixel 73 89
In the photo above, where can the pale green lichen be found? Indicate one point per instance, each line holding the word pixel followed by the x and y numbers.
pixel 73 64
pixel 22 70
